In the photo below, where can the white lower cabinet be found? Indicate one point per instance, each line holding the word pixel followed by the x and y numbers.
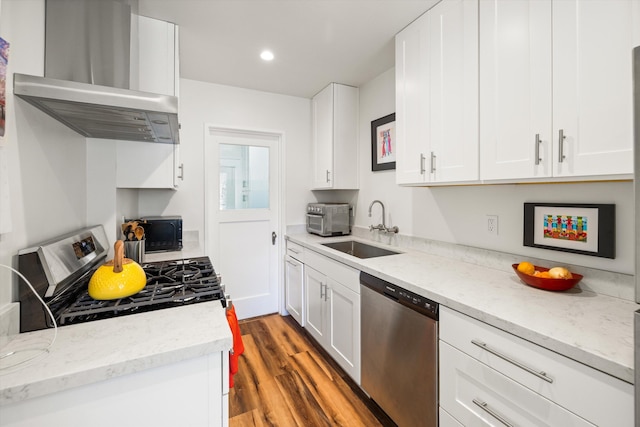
pixel 446 420
pixel 477 395
pixel 192 392
pixel 294 281
pixel 487 375
pixel 332 310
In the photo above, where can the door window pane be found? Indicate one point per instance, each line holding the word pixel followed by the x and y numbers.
pixel 244 177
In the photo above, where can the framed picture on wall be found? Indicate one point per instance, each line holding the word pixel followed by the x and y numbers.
pixel 383 143
pixel 586 229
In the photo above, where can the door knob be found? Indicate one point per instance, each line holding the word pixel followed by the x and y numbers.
pixel 273 237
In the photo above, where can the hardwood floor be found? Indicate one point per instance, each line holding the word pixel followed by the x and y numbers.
pixel 286 379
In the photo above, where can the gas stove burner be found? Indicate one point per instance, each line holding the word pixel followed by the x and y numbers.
pixel 169 284
pixel 182 274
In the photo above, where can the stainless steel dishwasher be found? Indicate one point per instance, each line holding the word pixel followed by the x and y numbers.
pixel 399 333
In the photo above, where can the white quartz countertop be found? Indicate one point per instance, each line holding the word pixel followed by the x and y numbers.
pixel 95 351
pixel 594 329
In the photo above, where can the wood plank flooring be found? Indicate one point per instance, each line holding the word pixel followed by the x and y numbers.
pixel 286 379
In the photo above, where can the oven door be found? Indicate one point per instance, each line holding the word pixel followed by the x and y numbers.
pixel 316 224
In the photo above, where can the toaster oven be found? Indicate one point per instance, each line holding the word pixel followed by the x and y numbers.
pixel 329 219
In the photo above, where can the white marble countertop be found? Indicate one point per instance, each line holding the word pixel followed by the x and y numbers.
pixel 594 329
pixel 94 351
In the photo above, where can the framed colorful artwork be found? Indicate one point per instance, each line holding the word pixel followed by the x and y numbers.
pixel 586 229
pixel 383 143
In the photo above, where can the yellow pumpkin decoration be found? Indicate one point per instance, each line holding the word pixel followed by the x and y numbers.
pixel 118 278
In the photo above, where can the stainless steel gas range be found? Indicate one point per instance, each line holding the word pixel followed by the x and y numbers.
pixel 60 269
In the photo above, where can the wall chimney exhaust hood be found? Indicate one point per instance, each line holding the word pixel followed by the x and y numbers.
pixel 87 75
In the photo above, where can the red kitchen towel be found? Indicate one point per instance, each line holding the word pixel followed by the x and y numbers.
pixel 238 346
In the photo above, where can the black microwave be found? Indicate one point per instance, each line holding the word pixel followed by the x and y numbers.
pixel 162 233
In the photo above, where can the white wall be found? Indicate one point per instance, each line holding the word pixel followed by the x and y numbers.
pixel 45 161
pixel 225 106
pixel 458 214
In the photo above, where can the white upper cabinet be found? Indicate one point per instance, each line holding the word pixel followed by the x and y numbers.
pixel 335 138
pixel 412 102
pixel 555 85
pixel 453 91
pixel 515 88
pixel 437 96
pixel 592 85
pixel 158 56
pixel 144 164
pixel 148 165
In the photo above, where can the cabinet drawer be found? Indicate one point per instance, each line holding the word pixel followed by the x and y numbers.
pixel 476 395
pixel 446 420
pixel 295 250
pixel 598 397
pixel 349 277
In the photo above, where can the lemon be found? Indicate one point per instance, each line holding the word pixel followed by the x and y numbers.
pixel 526 268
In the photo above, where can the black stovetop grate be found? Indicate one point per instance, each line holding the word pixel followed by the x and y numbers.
pixel 169 284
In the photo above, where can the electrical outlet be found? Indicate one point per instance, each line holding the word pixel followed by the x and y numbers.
pixel 492 225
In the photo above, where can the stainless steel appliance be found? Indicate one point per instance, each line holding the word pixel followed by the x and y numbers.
pixel 399 335
pixel 87 75
pixel 329 219
pixel 60 269
pixel 636 184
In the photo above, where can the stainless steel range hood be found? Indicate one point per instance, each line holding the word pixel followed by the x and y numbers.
pixel 87 75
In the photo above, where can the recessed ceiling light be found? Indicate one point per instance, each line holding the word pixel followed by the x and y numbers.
pixel 267 55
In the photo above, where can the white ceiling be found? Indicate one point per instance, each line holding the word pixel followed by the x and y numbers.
pixel 315 42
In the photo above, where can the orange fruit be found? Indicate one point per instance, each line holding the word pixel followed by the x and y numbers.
pixel 544 275
pixel 526 268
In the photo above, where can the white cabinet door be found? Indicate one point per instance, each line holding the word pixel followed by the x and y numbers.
pixel 453 93
pixel 147 165
pixel 515 89
pixel 158 53
pixel 315 312
pixel 412 102
pixel 322 107
pixel 437 96
pixel 344 327
pixel 335 137
pixel 592 83
pixel 294 279
pixel 555 79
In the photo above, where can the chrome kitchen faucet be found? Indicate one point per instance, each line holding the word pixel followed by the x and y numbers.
pixel 381 227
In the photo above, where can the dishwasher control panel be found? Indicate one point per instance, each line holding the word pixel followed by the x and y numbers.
pixel 407 298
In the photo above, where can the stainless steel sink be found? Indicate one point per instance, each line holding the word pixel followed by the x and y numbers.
pixel 359 250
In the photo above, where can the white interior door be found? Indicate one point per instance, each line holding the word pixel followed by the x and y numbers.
pixel 242 220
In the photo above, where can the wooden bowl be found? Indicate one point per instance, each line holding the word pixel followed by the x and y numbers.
pixel 547 283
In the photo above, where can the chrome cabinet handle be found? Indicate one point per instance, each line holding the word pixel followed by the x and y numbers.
pixel 561 138
pixel 321 294
pixel 433 162
pixel 422 170
pixel 542 375
pixel 538 142
pixel 326 292
pixel 328 180
pixel 485 407
pixel 294 250
pixel 181 174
